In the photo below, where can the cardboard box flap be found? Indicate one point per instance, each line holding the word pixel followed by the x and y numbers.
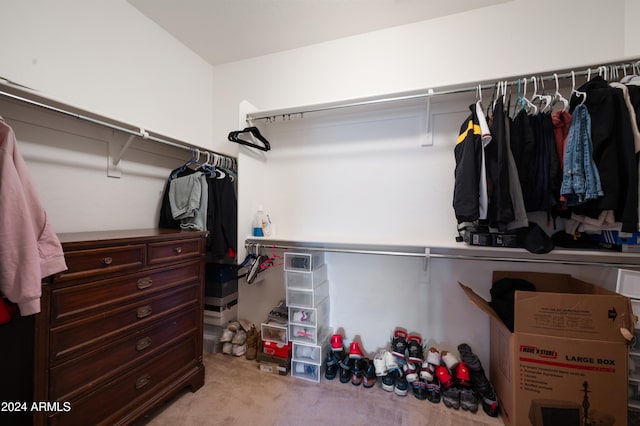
pixel 572 315
pixel 553 283
pixel 480 302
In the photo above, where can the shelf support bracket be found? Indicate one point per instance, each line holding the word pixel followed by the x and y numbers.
pixel 115 155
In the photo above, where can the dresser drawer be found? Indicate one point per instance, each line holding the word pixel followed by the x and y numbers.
pixel 115 399
pixel 88 333
pixel 70 302
pixel 171 251
pixel 82 373
pixel 101 261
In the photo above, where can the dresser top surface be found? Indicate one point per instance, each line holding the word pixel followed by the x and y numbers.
pixel 126 234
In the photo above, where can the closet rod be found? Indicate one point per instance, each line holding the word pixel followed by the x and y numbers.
pixel 141 134
pixel 258 246
pixel 487 85
pixel 428 253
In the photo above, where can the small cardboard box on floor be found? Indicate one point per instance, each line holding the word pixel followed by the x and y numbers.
pixel 566 361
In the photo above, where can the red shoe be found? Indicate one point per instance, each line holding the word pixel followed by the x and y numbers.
pixel 446 381
pixel 463 376
pixel 336 343
pixel 354 350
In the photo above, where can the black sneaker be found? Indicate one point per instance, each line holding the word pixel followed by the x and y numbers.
pixel 399 344
pixel 402 386
pixel 433 390
pixel 357 372
pixel 415 350
pixel 346 366
pixel 420 389
pixel 388 382
pixel 369 373
pixel 479 382
pixel 331 366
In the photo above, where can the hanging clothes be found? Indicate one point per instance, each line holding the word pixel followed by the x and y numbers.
pixel 613 153
pixel 220 212
pixel 520 218
pixel 222 217
pixel 496 156
pixel 581 180
pixel 467 174
pixel 30 249
pixel 561 122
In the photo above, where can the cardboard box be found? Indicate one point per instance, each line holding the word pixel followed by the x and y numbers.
pixel 273 364
pixel 566 363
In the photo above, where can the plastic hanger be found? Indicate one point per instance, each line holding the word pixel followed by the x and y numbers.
pixel 234 137
pixel 575 92
pixel 543 99
pixel 532 109
pixel 557 96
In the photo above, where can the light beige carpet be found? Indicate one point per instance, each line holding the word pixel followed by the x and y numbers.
pixel 236 392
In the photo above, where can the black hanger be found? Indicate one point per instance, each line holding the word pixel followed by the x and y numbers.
pixel 233 137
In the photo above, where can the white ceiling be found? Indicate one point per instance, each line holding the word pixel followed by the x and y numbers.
pixel 222 31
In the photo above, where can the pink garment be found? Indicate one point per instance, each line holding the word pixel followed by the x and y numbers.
pixel 30 250
pixel 561 123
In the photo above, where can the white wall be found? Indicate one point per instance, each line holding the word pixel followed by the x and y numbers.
pixel 106 57
pixel 371 295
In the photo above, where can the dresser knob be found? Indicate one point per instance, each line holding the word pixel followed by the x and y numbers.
pixel 143 343
pixel 143 381
pixel 107 260
pixel 144 283
pixel 144 311
pixel 178 250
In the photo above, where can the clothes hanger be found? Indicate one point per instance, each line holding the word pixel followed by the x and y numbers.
pixel 541 98
pixel 186 164
pixel 575 92
pixel 532 109
pixel 557 96
pixel 234 137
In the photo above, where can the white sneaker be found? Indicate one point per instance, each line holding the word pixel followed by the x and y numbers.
pixel 239 338
pixel 239 350
pixel 379 364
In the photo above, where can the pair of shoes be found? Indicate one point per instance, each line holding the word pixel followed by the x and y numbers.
pixel 345 364
pixel 414 365
pixel 479 382
pixel 428 374
pixel 386 369
pixel 456 391
pixel 253 339
pixel 399 344
pixel 239 343
pixel 331 364
pixel 448 388
pixel 228 334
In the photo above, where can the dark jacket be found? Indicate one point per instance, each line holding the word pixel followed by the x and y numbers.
pixel 468 155
pixel 613 153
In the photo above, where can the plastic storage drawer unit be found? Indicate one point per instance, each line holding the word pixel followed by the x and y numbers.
pixel 310 316
pixel 305 280
pixel 298 298
pixel 303 262
pixel 306 371
pixel 274 332
pixel 314 354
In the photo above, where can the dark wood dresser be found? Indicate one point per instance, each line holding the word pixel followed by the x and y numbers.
pixel 120 332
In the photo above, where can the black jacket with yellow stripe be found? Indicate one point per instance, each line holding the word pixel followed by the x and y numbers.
pixel 468 154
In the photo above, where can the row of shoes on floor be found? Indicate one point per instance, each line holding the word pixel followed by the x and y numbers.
pixel 240 338
pixel 460 382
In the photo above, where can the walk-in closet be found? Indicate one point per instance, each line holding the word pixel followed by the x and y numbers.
pixel 344 142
